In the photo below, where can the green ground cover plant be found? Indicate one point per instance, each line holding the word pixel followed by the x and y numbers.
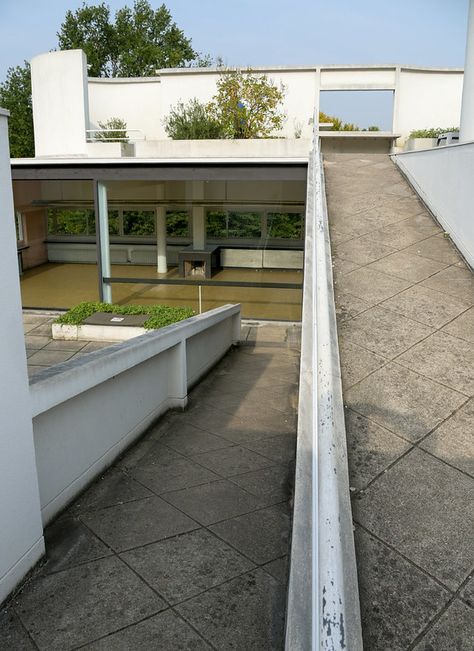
pixel 160 315
pixel 431 133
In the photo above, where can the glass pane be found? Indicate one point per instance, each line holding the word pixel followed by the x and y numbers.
pixel 245 224
pixel 177 223
pixel 113 222
pixel 216 223
pixel 64 221
pixel 284 225
pixel 138 222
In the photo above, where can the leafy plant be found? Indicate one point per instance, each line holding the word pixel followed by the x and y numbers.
pixel 115 129
pixel 159 315
pixel 431 133
pixel 15 96
pixel 192 121
pixel 247 105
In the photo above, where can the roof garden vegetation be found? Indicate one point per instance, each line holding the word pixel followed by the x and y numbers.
pixel 431 133
pixel 159 315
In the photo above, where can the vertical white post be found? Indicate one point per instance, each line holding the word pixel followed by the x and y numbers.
pixel 199 217
pixel 161 260
pixel 467 106
pixel 102 228
pixel 179 375
pixel 21 537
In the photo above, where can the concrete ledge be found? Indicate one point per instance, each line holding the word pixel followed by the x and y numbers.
pixel 95 332
pixel 323 600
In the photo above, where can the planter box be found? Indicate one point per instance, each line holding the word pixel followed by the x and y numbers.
pixel 413 144
pixel 96 332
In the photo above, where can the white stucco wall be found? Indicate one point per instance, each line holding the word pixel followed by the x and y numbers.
pixel 443 179
pixel 21 533
pixel 60 103
pixel 424 98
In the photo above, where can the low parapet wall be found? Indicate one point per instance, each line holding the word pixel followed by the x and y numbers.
pixel 88 410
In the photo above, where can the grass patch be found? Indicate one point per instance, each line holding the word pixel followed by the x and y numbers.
pixel 160 315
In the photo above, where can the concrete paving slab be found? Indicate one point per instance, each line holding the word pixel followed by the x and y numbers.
pixel 406 232
pixel 348 305
pixel 58 344
pixel 370 449
pixel 262 536
pixel 403 401
pixel 455 282
pixel 437 248
pixel 357 362
pixel 36 342
pixel 163 476
pixel 182 567
pixel 187 439
pixel 363 250
pixel 422 507
pixel 280 449
pixel 454 630
pixel 137 523
pixel 279 569
pixel 467 593
pixel 274 482
pixel 397 599
pixel 463 326
pixel 383 332
pixel 213 502
pixel 372 286
pixel 230 461
pixel 443 358
pixel 163 631
pixel 453 441
pixel 13 635
pixel 245 613
pixel 50 357
pixel 407 266
pixel 426 306
pixel 70 608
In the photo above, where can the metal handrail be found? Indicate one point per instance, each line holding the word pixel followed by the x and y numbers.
pixel 125 138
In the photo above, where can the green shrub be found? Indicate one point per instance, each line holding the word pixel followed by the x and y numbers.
pixel 160 315
pixel 116 130
pixel 431 133
pixel 192 121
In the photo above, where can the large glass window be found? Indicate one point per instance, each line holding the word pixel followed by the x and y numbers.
pixel 177 223
pixel 228 225
pixel 71 221
pixel 285 225
pixel 139 222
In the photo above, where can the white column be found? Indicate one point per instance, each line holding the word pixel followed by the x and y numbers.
pixel 102 222
pixel 467 107
pixel 161 261
pixel 199 217
pixel 21 537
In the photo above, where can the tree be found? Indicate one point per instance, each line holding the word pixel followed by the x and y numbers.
pixel 247 105
pixel 139 41
pixel 192 121
pixel 15 96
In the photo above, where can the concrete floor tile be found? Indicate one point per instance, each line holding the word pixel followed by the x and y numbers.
pixel 187 439
pixel 370 449
pixel 401 234
pixel 163 475
pixel 245 613
pixel 437 248
pixel 68 543
pixel 455 282
pixel 443 358
pixel 371 286
pixel 397 600
pixel 280 449
pixel 463 326
pixel 426 306
pixel 453 441
pixel 383 332
pixel 180 568
pixel 357 362
pixel 111 489
pixel 262 535
pixel 279 569
pixel 36 342
pixel 274 483
pixel 13 635
pixel 454 630
pixel 147 450
pixel 50 357
pixel 76 606
pixel 363 250
pixel 349 306
pixel 342 266
pixel 407 266
pixel 338 238
pixel 424 509
pixel 467 593
pixel 211 503
pixel 43 329
pixel 59 344
pixel 137 523
pixel 164 631
pixel 403 401
pixel 230 461
pixel 92 346
pixel 34 370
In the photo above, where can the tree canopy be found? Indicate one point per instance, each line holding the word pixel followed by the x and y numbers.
pixel 15 96
pixel 140 40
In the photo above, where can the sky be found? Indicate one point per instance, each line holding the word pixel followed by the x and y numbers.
pixel 279 32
